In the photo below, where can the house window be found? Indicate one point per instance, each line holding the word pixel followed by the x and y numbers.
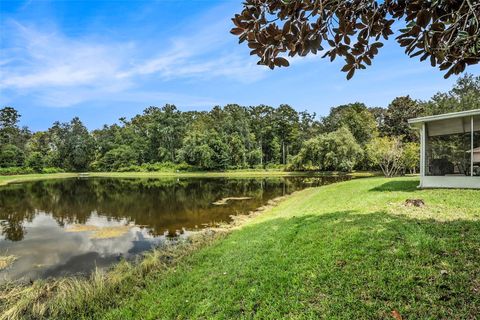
pixel 448 147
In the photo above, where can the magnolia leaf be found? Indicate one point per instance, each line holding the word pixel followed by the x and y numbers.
pixel 281 62
pixel 350 73
pixel 237 31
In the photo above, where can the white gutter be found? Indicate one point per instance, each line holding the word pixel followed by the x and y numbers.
pixel 469 113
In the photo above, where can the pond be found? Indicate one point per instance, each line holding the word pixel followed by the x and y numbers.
pixel 54 228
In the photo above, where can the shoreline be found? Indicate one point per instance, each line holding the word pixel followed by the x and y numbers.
pixel 332 248
pixel 21 297
pixel 12 179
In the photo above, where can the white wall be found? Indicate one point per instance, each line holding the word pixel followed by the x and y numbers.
pixel 450 182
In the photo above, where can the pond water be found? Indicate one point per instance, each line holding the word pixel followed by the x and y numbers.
pixel 53 228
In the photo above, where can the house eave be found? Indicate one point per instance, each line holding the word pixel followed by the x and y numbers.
pixel 418 121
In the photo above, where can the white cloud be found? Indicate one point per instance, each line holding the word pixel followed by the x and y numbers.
pixel 42 59
pixel 63 71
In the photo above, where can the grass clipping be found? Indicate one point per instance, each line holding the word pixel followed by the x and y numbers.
pixel 65 298
pixel 224 201
pixel 100 232
pixel 6 261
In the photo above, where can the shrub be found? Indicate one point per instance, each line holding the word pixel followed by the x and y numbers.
pixel 112 160
pixel 15 170
pixel 10 171
pixel 52 170
pixel 11 156
pixel 158 167
pixel 132 168
pixel 35 161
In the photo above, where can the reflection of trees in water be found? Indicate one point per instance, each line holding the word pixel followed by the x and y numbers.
pixel 15 208
pixel 160 204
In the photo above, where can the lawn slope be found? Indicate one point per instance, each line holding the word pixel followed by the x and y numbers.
pixel 4 180
pixel 350 250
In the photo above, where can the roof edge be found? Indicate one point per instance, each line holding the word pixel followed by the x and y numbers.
pixel 445 116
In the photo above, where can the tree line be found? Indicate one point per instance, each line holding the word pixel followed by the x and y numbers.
pixel 352 136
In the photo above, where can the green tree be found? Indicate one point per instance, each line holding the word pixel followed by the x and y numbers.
pixel 163 129
pixel 254 157
pixel 275 151
pixel 237 151
pixel 262 129
pixel 356 117
pixel 11 156
pixel 116 158
pixel 286 124
pixel 386 153
pixel 205 150
pixel 465 95
pixel 9 118
pixel 340 150
pixel 35 161
pixel 73 148
pixel 379 115
pixel 411 156
pixel 336 151
pixel 396 118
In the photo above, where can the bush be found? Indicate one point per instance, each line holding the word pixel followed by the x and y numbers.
pixel 275 166
pixel 158 167
pixel 112 160
pixel 15 170
pixel 35 161
pixel 52 170
pixel 11 156
pixel 10 171
pixel 132 168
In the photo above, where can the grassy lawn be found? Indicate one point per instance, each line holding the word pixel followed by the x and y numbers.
pixel 350 250
pixel 344 251
pixel 31 177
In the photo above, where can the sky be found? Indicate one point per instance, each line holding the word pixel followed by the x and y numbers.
pixel 102 60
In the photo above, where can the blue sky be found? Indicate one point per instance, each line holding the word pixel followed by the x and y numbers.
pixel 102 60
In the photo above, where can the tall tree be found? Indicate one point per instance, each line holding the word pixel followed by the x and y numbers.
pixel 396 118
pixel 465 95
pixel 356 117
pixel 72 144
pixel 286 127
pixel 379 115
pixel 336 151
pixel 9 118
pixel 261 118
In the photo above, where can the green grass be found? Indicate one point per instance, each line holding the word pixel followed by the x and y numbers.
pixel 350 250
pixel 4 180
pixel 345 251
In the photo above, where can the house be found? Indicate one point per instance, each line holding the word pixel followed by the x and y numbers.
pixel 449 150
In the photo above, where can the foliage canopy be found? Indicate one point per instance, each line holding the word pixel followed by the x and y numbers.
pixel 229 137
pixel 443 31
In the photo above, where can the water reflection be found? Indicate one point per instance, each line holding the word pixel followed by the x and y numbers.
pixel 59 227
